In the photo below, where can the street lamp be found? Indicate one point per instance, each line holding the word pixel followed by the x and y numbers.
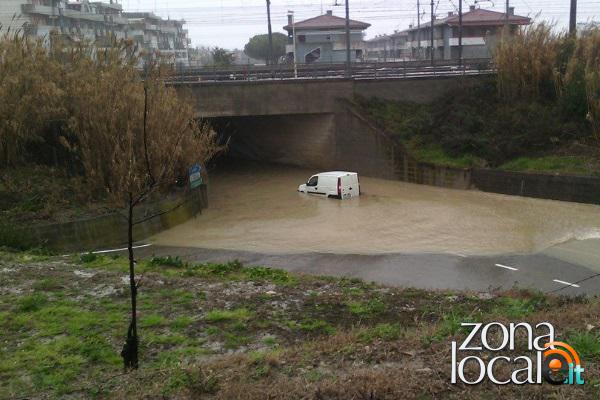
pixel 291 15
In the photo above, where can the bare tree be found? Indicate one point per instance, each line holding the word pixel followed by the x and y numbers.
pixel 134 137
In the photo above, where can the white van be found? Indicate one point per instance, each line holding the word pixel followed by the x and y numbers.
pixel 338 184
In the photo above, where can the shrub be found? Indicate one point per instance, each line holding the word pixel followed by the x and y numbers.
pixel 167 261
pixel 88 257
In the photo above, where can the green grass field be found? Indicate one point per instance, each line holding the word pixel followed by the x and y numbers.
pixel 226 331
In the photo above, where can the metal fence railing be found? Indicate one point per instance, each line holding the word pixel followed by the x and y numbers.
pixel 360 70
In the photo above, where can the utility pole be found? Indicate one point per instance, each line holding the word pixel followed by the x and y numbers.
pixel 270 38
pixel 419 28
pixel 348 59
pixel 460 33
pixel 506 16
pixel 432 42
pixel 291 14
pixel 573 18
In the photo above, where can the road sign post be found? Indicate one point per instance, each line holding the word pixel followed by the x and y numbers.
pixel 195 176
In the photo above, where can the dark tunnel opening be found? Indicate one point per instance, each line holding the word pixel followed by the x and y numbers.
pixel 303 140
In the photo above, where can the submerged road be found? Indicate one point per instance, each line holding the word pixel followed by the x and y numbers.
pixel 396 234
pixel 427 271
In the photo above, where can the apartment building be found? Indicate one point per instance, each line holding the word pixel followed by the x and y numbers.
pixel 98 22
pixel 385 48
pixel 159 38
pixel 480 30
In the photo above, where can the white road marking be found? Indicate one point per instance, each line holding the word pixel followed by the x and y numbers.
pixel 122 249
pixel 507 267
pixel 565 283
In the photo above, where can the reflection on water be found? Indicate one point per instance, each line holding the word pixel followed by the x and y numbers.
pixel 257 208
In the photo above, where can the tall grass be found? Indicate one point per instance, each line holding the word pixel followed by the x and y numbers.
pixel 30 96
pixel 526 61
pixel 88 102
pixel 540 64
pixel 588 53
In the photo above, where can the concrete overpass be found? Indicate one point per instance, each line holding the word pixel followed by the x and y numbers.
pixel 314 122
pixel 308 96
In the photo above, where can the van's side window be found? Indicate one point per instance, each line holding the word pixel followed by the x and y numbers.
pixel 313 181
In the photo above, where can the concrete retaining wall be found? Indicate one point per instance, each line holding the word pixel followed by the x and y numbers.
pixel 581 189
pixel 111 230
pixel 364 147
pixel 360 147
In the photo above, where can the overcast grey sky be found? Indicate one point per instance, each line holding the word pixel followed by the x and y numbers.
pixel 229 23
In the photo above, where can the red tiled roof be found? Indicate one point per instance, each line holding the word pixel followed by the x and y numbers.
pixel 327 21
pixel 487 17
pixel 480 17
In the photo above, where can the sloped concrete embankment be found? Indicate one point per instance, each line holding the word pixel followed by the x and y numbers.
pixel 369 149
pixel 111 229
pixel 364 146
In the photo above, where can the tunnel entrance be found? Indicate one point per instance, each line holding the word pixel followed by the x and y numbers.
pixel 303 140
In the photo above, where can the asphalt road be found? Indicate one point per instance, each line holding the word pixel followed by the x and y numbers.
pixel 429 271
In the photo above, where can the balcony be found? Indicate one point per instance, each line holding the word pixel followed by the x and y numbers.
pixel 37 9
pixel 83 15
pixel 468 41
pixel 136 32
pixel 66 13
pixel 168 29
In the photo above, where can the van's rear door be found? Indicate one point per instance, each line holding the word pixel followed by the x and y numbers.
pixel 349 186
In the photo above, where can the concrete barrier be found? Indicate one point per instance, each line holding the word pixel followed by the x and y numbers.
pixel 581 189
pixel 111 229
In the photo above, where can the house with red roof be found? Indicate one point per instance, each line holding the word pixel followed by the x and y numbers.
pixel 480 32
pixel 322 39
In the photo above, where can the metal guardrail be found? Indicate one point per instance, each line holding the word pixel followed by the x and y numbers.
pixel 364 70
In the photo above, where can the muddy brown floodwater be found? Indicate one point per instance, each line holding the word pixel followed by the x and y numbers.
pixel 257 208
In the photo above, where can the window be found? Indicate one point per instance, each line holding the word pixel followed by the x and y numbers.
pixel 313 181
pixel 301 38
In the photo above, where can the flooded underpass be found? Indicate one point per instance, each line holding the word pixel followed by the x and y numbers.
pixel 396 233
pixel 256 207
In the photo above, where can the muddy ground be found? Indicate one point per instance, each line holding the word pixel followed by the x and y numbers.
pixel 226 331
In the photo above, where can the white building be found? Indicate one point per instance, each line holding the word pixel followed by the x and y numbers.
pixel 97 22
pixel 393 47
pixel 480 29
pixel 322 39
pixel 159 38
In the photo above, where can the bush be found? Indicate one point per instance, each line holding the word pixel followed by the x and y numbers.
pixel 88 258
pixel 167 261
pixel 85 105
